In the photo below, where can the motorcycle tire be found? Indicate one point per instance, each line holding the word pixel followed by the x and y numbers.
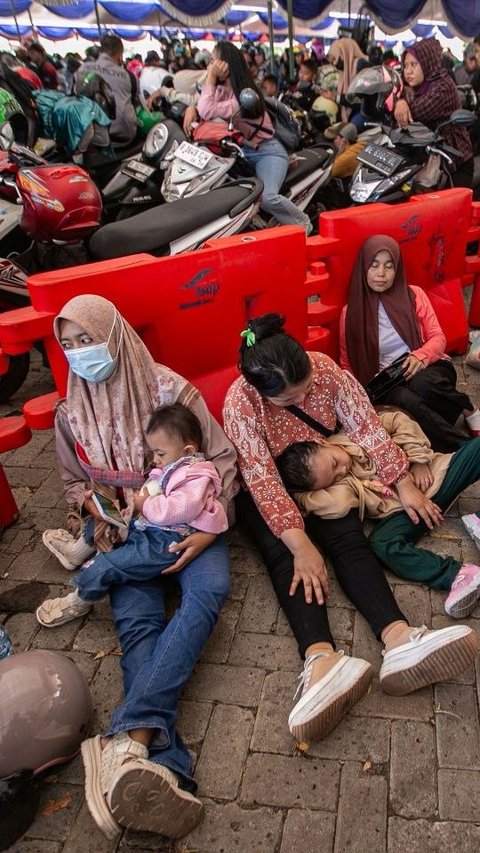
pixel 15 376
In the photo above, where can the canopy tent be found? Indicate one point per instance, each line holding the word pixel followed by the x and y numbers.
pixel 135 19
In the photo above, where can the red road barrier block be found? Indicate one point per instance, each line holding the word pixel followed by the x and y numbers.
pixel 432 231
pixel 188 309
pixel 14 432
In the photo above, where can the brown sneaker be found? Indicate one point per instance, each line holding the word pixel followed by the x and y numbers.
pixel 101 765
pixel 327 696
pixel 146 796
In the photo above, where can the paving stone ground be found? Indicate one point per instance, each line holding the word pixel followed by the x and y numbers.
pixel 398 774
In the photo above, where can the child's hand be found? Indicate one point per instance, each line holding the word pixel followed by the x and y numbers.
pixel 422 475
pixel 139 500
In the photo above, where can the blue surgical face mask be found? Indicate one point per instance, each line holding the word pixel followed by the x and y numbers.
pixel 94 363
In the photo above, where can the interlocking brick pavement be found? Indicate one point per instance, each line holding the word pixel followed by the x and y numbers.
pixel 397 774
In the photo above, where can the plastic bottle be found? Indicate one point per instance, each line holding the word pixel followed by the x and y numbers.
pixel 6 647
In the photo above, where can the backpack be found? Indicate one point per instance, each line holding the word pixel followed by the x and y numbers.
pixel 286 126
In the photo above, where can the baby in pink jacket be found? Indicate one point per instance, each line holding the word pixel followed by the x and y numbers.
pixel 180 497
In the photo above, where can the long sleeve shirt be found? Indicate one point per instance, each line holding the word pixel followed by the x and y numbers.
pixel 261 431
pixel 189 496
pixel 218 102
pixel 434 341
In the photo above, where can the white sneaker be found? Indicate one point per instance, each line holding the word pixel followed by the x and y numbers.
pixel 57 611
pixel 101 765
pixel 428 657
pixel 145 796
pixel 471 523
pixel 325 699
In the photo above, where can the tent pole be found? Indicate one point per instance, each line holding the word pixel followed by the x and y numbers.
pixel 12 7
pixel 270 34
pixel 97 15
pixel 291 61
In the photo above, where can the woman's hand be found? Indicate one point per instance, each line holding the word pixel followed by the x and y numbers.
pixel 189 117
pixel 90 507
pixel 217 70
pixel 152 98
pixel 308 566
pixel 422 475
pixel 189 548
pixel 411 366
pixel 402 113
pixel 416 505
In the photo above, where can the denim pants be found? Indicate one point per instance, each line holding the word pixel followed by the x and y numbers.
pixel 394 538
pixel 270 161
pixel 158 657
pixel 142 557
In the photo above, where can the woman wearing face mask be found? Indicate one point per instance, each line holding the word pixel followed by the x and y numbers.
pixel 430 97
pixel 384 319
pixel 227 75
pixel 114 386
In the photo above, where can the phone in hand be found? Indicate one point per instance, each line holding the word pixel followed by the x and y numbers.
pixel 108 510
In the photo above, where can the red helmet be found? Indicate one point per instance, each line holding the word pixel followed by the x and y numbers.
pixel 60 203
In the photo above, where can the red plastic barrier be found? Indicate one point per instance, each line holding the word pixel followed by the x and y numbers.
pixel 432 232
pixel 189 309
pixel 13 433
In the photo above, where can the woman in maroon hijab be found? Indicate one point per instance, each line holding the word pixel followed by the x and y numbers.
pixel 430 97
pixel 385 318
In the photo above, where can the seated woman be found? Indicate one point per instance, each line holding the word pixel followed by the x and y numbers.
pixel 227 75
pixel 430 98
pixel 114 386
pixel 383 319
pixel 330 479
pixel 286 395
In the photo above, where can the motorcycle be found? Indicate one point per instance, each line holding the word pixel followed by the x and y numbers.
pixel 415 159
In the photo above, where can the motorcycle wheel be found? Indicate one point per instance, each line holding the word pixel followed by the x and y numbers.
pixel 15 376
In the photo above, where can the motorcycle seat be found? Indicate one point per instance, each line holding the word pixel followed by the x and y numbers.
pixel 96 157
pixel 153 230
pixel 305 162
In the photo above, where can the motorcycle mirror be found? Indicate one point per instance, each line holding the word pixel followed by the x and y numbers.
pixel 250 103
pixel 6 136
pixel 462 118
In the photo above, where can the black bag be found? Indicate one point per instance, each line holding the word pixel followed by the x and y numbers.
pixel 286 127
pixel 386 379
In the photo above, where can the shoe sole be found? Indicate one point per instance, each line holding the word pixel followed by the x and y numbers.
pixel 329 717
pixel 60 557
pixel 440 665
pixel 466 604
pixel 92 762
pixel 143 800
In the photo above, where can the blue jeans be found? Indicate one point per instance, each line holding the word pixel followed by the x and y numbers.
pixel 142 557
pixel 270 161
pixel 158 657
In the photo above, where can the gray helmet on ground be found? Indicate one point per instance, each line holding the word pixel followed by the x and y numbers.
pixel 45 710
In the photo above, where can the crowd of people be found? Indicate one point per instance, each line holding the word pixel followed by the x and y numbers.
pixel 302 459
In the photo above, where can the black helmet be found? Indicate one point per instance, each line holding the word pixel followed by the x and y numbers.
pixel 92 86
pixel 377 89
pixel 250 103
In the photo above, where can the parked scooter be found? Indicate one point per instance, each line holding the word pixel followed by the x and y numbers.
pixel 416 159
